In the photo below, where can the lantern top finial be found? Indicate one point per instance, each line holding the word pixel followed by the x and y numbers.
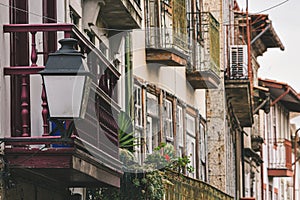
pixel 67 45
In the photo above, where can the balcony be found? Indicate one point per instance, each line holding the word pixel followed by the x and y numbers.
pixel 166 35
pixel 239 96
pixel 204 69
pixel 280 159
pixel 165 47
pixel 238 86
pixel 82 155
pixel 119 14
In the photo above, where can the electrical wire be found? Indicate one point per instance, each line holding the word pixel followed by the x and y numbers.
pixel 49 18
pixel 32 13
pixel 267 9
pixel 272 7
pixel 121 30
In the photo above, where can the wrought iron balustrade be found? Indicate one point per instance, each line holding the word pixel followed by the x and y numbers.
pixel 205 55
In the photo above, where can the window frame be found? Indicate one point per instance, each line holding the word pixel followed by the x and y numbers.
pixel 155 118
pixel 168 119
pixel 179 130
pixel 202 150
pixel 191 141
pixel 138 106
pixel 19 45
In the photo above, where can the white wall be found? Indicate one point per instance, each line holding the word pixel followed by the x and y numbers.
pixel 4 80
pixel 36 17
pixel 171 79
pixel 297 181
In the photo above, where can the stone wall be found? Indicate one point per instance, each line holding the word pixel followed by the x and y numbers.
pixel 185 188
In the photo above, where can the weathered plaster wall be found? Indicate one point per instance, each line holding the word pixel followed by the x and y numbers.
pixel 171 79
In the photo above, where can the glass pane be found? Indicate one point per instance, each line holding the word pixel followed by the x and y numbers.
pixel 64 95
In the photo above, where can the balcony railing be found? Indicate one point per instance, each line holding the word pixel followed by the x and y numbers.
pixel 96 135
pixel 204 68
pixel 183 187
pixel 280 158
pixel 167 47
pixel 211 38
pixel 166 38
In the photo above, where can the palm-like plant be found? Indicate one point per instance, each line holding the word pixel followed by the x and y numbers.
pixel 127 139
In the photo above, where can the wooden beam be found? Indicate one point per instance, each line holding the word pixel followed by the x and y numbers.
pixel 166 58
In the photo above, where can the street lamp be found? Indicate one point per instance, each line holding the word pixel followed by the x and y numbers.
pixel 66 79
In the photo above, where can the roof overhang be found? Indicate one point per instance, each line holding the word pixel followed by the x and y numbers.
pixel 261 24
pixel 263 34
pixel 283 93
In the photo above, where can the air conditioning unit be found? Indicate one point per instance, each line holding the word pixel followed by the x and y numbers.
pixel 238 62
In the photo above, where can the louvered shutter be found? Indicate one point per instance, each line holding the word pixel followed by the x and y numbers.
pixel 238 62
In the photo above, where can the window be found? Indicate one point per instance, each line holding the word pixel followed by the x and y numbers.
pixel 270 192
pixel 50 16
pixel 150 137
pixel 202 152
pixel 276 195
pixel 19 56
pixel 138 106
pixel 138 120
pixel 152 105
pixel 137 148
pixel 282 188
pixel 75 18
pixel 168 120
pixel 274 124
pixel 191 153
pixel 265 193
pixel 190 125
pixel 287 120
pixel 191 142
pixel 103 48
pixel 179 130
pixel 152 129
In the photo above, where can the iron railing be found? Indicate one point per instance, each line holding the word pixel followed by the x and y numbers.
pixel 205 52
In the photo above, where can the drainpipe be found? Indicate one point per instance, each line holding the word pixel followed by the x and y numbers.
pixel 262 173
pixel 243 163
pixel 249 51
pixel 128 77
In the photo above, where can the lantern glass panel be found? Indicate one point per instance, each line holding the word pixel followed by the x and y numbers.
pixel 65 95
